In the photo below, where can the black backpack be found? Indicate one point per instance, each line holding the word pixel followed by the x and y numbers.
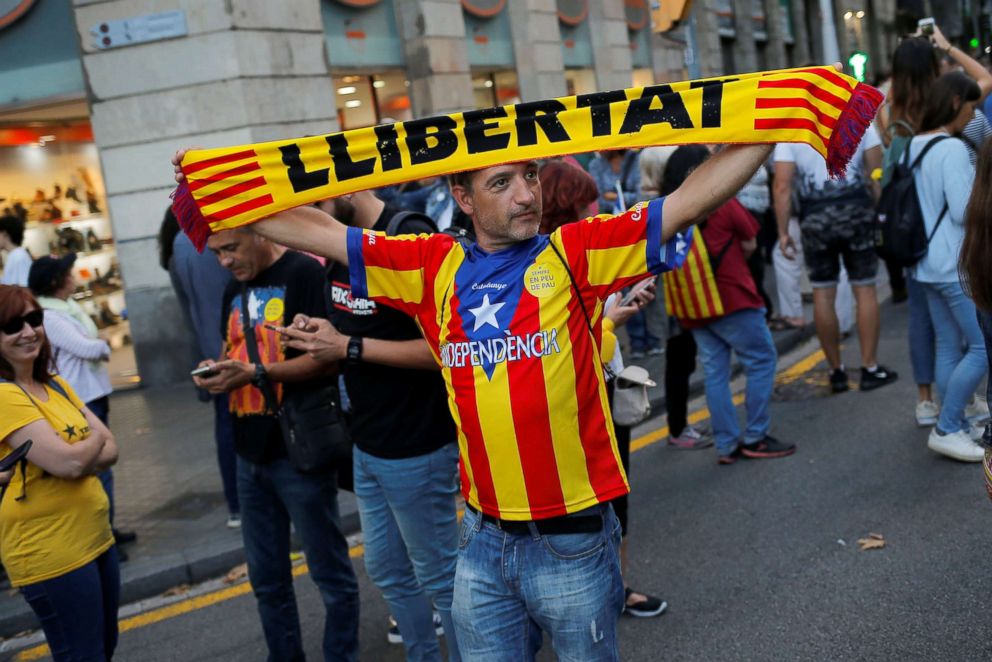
pixel 900 231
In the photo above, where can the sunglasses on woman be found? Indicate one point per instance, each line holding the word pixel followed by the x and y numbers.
pixel 34 319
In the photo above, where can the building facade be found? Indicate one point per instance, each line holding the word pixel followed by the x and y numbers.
pixel 96 95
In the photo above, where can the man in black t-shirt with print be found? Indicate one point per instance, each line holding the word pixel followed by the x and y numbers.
pixel 406 458
pixel 272 285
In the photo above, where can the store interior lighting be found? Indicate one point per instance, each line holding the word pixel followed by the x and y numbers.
pixel 860 14
pixel 379 84
pixel 848 15
pixel 350 89
pixel 353 103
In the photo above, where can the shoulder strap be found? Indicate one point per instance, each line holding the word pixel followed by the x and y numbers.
pixel 393 227
pixel 926 148
pixel 582 305
pixel 251 344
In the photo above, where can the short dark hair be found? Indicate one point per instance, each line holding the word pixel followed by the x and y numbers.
pixel 14 227
pixel 941 108
pixel 680 165
pixel 463 179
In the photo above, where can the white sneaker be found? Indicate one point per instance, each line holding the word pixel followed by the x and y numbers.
pixel 957 445
pixel 234 521
pixel 927 413
pixel 977 411
pixel 976 431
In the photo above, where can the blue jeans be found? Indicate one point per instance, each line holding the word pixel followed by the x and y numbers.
pixel 101 409
pixel 271 496
pixel 746 333
pixel 226 459
pixel 921 334
pixel 410 525
pixel 958 370
pixel 78 610
pixel 511 587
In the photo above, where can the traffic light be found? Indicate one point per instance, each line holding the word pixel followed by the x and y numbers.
pixel 859 64
pixel 973 43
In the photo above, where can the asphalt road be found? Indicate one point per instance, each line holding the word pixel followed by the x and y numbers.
pixel 759 561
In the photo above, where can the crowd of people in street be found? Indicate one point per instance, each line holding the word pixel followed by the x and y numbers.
pixel 384 301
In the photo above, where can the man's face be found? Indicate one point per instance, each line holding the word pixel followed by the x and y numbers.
pixel 238 251
pixel 504 203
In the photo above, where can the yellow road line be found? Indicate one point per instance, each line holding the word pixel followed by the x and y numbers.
pixel 194 604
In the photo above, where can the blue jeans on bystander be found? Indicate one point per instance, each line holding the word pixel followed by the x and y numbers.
pixel 955 321
pixel 272 495
pixel 410 529
pixel 921 333
pixel 78 610
pixel 510 587
pixel 746 333
pixel 226 458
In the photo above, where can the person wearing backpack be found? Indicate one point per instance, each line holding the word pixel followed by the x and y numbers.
pixel 915 68
pixel 405 455
pixel 943 180
pixel 728 317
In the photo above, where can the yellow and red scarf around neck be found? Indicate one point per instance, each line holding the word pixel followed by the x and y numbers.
pixel 230 187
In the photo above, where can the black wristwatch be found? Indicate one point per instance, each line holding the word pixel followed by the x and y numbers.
pixel 354 350
pixel 258 379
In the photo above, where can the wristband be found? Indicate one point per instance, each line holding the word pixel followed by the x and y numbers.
pixel 354 350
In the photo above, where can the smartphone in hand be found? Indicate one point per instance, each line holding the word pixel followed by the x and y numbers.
pixel 636 289
pixel 926 26
pixel 204 371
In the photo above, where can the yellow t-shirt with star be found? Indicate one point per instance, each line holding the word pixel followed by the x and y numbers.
pixel 60 524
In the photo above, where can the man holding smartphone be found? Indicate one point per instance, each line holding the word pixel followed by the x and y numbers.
pixel 272 285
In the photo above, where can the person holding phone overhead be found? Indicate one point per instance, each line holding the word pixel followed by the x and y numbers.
pixel 55 537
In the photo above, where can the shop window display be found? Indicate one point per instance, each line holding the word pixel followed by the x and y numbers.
pixel 51 180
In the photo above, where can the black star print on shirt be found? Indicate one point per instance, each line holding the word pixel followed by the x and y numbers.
pixel 70 431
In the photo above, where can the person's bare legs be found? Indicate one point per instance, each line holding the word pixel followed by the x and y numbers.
pixel 925 392
pixel 868 325
pixel 827 326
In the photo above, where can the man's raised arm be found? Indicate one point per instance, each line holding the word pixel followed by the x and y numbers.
pixel 714 182
pixel 303 228
pixel 307 229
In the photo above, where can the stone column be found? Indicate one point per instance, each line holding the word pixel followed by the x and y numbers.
pixel 805 46
pixel 775 19
pixel 745 52
pixel 708 40
pixel 246 71
pixel 537 49
pixel 610 44
pixel 433 34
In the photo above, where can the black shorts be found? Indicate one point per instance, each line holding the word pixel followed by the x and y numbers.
pixel 845 232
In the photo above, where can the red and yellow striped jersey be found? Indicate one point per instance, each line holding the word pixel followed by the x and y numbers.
pixel 525 382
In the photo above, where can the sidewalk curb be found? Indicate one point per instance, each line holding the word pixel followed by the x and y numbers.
pixel 141 579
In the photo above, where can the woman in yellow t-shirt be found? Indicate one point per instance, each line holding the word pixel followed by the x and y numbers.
pixel 55 538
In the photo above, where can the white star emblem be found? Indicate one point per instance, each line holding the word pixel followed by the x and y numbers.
pixel 486 313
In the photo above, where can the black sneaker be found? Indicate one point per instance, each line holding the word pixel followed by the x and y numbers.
pixel 877 378
pixel 647 608
pixel 838 381
pixel 766 449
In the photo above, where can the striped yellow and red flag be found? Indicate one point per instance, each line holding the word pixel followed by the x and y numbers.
pixel 690 290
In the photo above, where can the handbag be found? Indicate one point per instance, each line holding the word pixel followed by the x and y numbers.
pixel 313 430
pixel 631 404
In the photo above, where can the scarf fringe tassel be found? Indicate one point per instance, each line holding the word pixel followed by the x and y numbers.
pixel 851 126
pixel 190 218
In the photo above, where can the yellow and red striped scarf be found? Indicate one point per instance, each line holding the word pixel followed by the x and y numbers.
pixel 233 186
